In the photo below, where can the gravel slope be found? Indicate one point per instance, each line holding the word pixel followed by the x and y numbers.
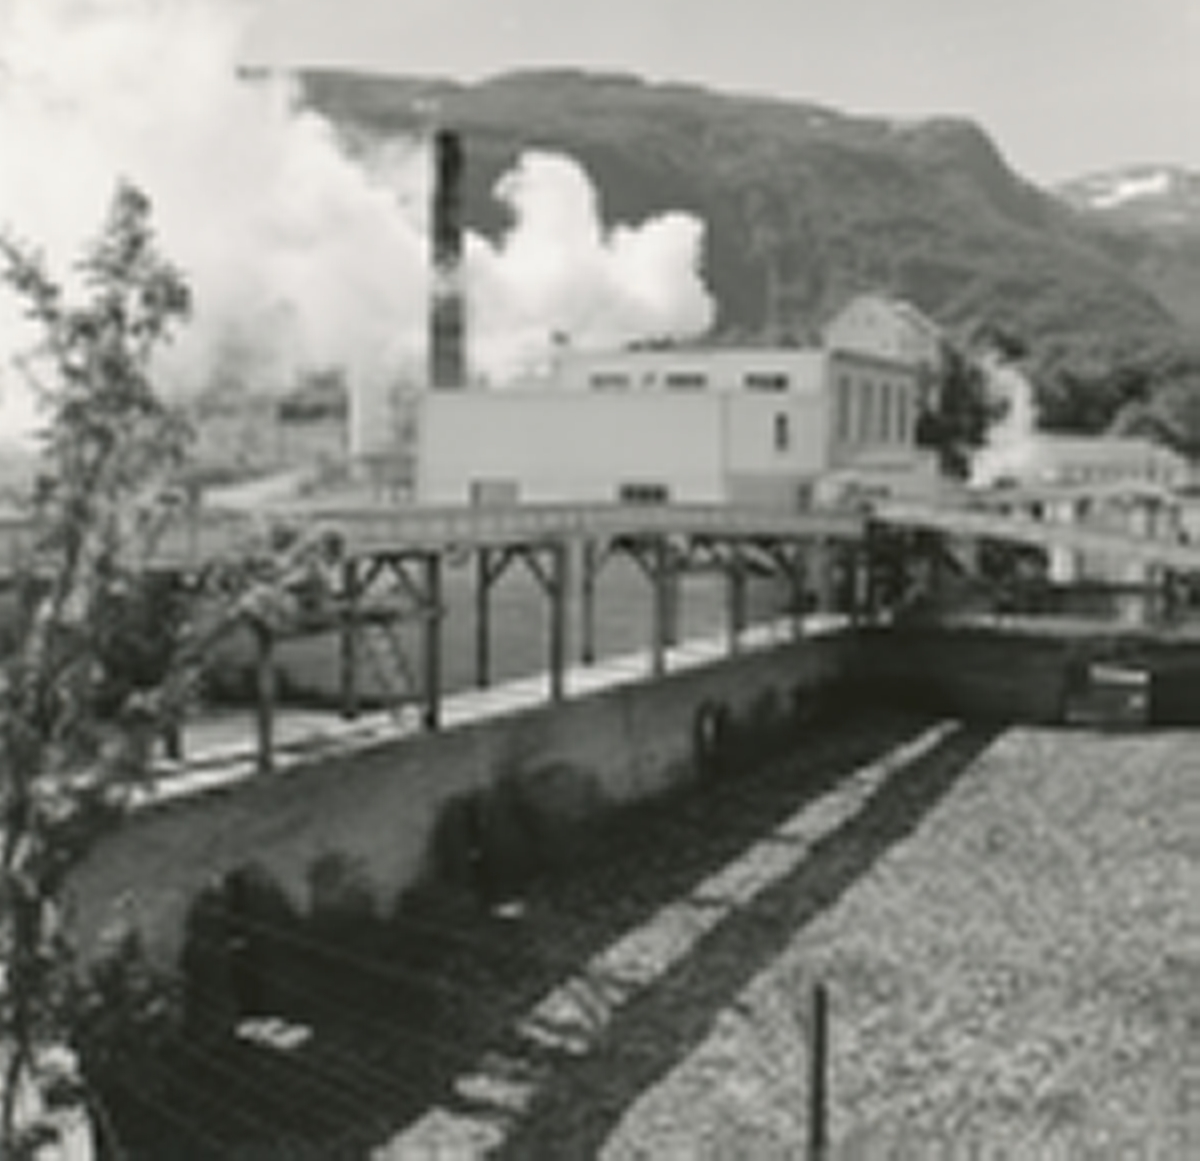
pixel 1020 977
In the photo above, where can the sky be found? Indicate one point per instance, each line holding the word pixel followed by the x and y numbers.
pixel 1065 87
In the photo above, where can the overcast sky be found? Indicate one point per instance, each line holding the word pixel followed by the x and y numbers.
pixel 1065 86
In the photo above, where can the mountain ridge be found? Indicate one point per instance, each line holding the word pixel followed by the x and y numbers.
pixel 1151 213
pixel 805 205
pixel 1160 196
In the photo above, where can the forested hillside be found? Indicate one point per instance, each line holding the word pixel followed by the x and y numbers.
pixel 805 205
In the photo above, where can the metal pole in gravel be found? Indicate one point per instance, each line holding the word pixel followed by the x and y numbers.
pixel 818 1063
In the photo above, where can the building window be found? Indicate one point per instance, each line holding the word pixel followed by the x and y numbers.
pixel 866 413
pixel 765 381
pixel 686 380
pixel 609 381
pixel 782 431
pixel 903 416
pixel 845 385
pixel 643 493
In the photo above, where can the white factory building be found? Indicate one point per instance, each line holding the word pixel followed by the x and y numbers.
pixel 684 425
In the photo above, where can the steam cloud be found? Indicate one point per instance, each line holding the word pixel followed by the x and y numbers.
pixel 300 257
pixel 1011 444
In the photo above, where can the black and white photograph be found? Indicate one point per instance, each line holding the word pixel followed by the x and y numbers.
pixel 599 581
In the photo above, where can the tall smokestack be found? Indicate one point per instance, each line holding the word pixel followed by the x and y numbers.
pixel 447 354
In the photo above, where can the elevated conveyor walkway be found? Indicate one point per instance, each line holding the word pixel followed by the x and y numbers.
pixel 965 522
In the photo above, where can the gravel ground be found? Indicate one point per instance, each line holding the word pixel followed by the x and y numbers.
pixel 1019 977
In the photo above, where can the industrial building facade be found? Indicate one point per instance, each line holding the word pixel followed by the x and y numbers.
pixel 742 426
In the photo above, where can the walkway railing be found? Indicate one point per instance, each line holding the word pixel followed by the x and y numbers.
pixel 370 528
pixel 1135 549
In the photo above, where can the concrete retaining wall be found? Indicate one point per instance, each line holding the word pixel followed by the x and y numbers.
pixel 978 673
pixel 488 804
pixel 498 799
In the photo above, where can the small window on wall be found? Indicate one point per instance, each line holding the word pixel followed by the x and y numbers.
pixel 766 381
pixel 842 403
pixel 869 429
pixel 903 417
pixel 783 431
pixel 609 381
pixel 686 381
pixel 643 493
pixel 885 411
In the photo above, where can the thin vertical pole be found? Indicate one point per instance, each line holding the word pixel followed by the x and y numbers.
pixel 736 597
pixel 818 1112
pixel 483 618
pixel 172 735
pixel 433 641
pixel 861 558
pixel 349 643
pixel 587 637
pixel 847 580
pixel 266 694
pixel 660 578
pixel 173 741
pixel 558 620
pixel 674 602
pixel 818 575
pixel 796 593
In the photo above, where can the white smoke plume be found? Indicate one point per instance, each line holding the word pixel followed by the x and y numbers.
pixel 558 271
pixel 299 257
pixel 1011 445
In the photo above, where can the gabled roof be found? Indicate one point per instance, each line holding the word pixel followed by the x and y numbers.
pixel 911 314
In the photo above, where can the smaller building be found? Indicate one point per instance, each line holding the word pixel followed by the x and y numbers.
pixel 242 432
pixel 1094 461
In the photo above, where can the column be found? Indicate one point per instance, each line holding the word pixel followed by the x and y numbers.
pixel 483 618
pixel 736 600
pixel 265 688
pixel 432 650
pixel 349 639
pixel 558 620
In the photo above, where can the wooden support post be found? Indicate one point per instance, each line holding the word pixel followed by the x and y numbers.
pixel 266 694
pixel 483 618
pixel 558 620
pixel 674 601
pixel 172 734
pixel 173 741
pixel 819 579
pixel 736 597
pixel 432 650
pixel 349 641
pixel 587 608
pixel 871 578
pixel 818 1073
pixel 797 594
pixel 847 588
pixel 860 568
pixel 660 578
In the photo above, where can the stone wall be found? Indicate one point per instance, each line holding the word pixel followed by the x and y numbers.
pixel 1000 675
pixel 487 803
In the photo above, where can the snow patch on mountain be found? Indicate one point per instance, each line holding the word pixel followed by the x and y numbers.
pixel 1128 188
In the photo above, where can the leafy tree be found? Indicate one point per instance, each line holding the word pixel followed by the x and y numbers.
pixel 107 651
pixel 957 412
pixel 1088 399
pixel 1172 417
